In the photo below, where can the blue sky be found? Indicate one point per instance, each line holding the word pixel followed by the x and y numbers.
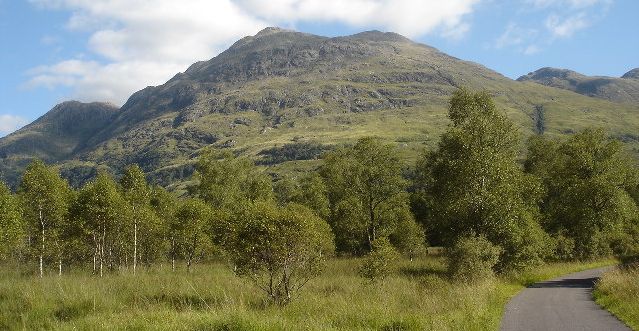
pixel 104 50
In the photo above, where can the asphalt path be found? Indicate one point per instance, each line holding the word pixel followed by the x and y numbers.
pixel 563 303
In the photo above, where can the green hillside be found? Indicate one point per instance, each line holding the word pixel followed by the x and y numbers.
pixel 282 87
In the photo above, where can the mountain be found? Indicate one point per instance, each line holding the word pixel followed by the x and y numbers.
pixel 54 136
pixel 624 89
pixel 632 74
pixel 283 97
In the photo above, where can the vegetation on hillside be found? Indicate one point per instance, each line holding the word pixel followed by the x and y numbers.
pixel 572 199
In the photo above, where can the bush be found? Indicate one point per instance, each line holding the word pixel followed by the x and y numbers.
pixel 472 259
pixel 279 249
pixel 380 261
pixel 564 247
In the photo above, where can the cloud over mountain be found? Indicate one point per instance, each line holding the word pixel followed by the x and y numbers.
pixel 135 43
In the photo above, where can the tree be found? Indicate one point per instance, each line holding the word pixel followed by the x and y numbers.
pixel 379 263
pixel 12 227
pixel 188 230
pixel 227 182
pixel 105 213
pixel 587 179
pixel 136 192
pixel 164 204
pixel 279 249
pixel 308 190
pixel 45 198
pixel 474 185
pixel 366 192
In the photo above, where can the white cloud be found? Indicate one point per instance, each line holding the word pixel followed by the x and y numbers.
pixel 531 50
pixel 566 27
pixel 135 43
pixel 407 17
pixel 10 123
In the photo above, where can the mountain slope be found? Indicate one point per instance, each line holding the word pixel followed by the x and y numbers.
pixel 624 89
pixel 54 136
pixel 284 87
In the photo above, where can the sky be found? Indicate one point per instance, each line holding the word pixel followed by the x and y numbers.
pixel 104 50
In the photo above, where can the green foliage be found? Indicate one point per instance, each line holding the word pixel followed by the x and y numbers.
pixel 472 258
pixel 380 262
pixel 45 201
pixel 188 230
pixel 134 186
pixel 105 215
pixel 229 182
pixel 366 192
pixel 473 184
pixel 292 152
pixel 587 179
pixel 279 248
pixel 12 227
pixel 308 190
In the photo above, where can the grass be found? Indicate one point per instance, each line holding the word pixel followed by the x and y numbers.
pixel 618 292
pixel 416 297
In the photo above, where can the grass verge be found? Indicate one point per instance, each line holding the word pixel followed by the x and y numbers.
pixel 618 292
pixel 417 296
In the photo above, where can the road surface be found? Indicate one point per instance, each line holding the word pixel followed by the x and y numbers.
pixel 564 303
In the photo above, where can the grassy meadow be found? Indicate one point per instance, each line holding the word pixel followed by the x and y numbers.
pixel 618 292
pixel 417 296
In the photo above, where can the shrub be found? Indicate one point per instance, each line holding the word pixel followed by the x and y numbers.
pixel 564 247
pixel 279 249
pixel 472 259
pixel 380 261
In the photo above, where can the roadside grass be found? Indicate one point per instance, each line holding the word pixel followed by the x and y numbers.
pixel 418 296
pixel 618 292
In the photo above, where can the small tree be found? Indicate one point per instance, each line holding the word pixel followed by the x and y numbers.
pixel 472 259
pixel 105 213
pixel 188 229
pixel 136 191
pixel 279 249
pixel 45 198
pixel 12 227
pixel 379 263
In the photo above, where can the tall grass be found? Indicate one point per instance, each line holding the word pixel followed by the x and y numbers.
pixel 618 292
pixel 417 296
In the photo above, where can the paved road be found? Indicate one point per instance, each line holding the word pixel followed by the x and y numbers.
pixel 563 303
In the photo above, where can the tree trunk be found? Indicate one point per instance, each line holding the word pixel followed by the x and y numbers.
pixel 42 251
pixel 60 267
pixel 135 242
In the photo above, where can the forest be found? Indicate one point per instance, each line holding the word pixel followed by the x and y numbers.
pixel 496 208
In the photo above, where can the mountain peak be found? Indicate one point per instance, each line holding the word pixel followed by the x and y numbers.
pixel 271 30
pixel 375 35
pixel 632 74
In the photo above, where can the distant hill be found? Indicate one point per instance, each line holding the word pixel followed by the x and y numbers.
pixel 282 97
pixel 54 136
pixel 624 89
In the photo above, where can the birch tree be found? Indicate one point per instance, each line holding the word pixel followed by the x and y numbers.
pixel 12 227
pixel 189 229
pixel 136 191
pixel 101 207
pixel 44 197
